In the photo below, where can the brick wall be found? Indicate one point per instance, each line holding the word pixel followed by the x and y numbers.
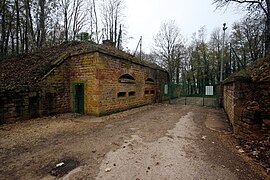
pixel 18 105
pixel 78 68
pixel 100 75
pixel 246 99
pixel 136 93
pixel 55 91
pixel 243 115
pixel 229 100
pixel 85 70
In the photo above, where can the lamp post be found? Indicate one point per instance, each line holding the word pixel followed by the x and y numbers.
pixel 222 60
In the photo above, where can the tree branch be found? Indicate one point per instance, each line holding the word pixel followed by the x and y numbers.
pixel 222 3
pixel 252 2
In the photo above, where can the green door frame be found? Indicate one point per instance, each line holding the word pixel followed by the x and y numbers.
pixel 77 99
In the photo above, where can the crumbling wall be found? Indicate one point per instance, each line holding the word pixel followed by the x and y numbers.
pixel 19 105
pixel 246 99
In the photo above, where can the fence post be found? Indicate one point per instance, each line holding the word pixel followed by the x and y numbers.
pixel 170 91
pixel 203 91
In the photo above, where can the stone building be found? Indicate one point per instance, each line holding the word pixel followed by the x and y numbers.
pixel 79 77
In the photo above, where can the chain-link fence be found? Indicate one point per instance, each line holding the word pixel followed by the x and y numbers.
pixel 190 93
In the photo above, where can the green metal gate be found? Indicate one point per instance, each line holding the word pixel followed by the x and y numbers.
pixel 190 93
pixel 78 97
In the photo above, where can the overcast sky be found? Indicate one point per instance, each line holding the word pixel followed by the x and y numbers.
pixel 144 18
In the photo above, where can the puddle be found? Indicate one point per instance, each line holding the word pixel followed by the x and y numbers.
pixel 63 167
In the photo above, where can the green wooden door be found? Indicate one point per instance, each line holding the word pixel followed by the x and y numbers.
pixel 78 98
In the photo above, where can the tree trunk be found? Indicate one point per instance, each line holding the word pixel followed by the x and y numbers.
pixel 42 23
pixel 119 37
pixel 7 38
pixel 66 24
pixel 75 20
pixel 26 40
pixel 96 20
pixel 22 37
pixel 177 74
pixel 38 33
pixel 30 29
pixel 3 30
pixel 115 27
pixel 267 38
pixel 12 43
pixel 17 25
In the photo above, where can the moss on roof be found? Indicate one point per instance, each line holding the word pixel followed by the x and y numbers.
pixel 242 75
pixel 28 69
pixel 258 71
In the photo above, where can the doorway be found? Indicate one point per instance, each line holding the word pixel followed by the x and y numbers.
pixel 78 98
pixel 34 107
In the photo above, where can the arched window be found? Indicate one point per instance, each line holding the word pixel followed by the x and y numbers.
pixel 126 78
pixel 149 81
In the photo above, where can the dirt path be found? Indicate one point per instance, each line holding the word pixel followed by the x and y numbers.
pixel 153 142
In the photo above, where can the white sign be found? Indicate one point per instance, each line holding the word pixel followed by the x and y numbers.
pixel 166 89
pixel 209 90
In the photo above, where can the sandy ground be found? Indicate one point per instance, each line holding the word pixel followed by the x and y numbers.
pixel 152 142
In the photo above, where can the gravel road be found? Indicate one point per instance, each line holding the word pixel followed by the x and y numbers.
pixel 157 141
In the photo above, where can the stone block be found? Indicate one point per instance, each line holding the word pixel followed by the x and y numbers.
pixel 245 130
pixel 9 115
pixel 250 121
pixel 11 120
pixel 243 124
pixel 256 127
pixel 12 109
pixel 254 115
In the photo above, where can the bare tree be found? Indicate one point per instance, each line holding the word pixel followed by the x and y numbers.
pixel 26 25
pixel 93 20
pixel 215 44
pixel 246 42
pixel 112 16
pixel 65 7
pixel 41 32
pixel 29 30
pixel 79 17
pixel 3 26
pixel 167 44
pixel 253 32
pixel 199 54
pixel 16 2
pixel 252 7
pixel 74 17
